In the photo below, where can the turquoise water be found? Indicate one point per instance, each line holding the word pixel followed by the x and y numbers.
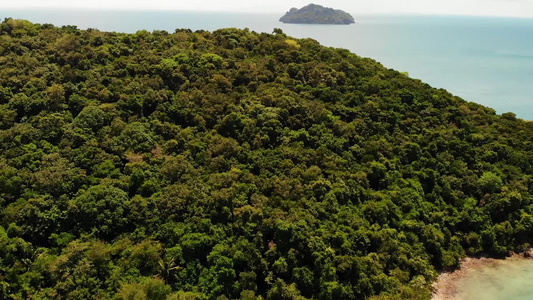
pixel 481 59
pixel 506 280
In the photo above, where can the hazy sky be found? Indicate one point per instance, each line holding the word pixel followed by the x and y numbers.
pixel 516 8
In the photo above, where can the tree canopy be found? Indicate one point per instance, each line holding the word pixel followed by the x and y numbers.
pixel 241 165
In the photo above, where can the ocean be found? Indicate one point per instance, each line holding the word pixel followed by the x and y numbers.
pixel 486 60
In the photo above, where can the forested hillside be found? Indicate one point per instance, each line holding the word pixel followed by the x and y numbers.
pixel 241 165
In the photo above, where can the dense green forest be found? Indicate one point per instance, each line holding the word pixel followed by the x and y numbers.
pixel 241 165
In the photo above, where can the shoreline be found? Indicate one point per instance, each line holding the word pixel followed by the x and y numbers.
pixel 445 287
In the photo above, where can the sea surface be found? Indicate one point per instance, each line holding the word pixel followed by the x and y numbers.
pixel 486 60
pixel 506 280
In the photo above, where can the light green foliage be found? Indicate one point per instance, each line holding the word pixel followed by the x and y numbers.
pixel 241 165
pixel 490 182
pixel 149 289
pixel 292 43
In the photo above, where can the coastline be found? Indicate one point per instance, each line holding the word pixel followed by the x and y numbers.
pixel 446 285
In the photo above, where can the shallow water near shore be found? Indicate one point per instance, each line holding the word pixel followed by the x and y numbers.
pixel 510 279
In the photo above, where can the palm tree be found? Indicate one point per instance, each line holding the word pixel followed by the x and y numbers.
pixel 167 268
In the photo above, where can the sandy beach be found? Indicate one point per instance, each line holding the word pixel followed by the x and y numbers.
pixel 445 288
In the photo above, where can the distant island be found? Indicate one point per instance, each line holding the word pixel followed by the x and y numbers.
pixel 316 14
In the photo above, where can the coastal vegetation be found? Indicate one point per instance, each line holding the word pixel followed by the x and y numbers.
pixel 241 165
pixel 316 14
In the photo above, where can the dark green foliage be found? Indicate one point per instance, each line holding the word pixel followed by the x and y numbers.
pixel 238 165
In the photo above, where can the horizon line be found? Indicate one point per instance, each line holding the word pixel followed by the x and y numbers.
pixel 140 9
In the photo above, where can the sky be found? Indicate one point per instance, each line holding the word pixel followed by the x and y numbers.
pixel 507 8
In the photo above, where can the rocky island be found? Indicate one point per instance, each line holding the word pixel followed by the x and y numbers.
pixel 316 14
